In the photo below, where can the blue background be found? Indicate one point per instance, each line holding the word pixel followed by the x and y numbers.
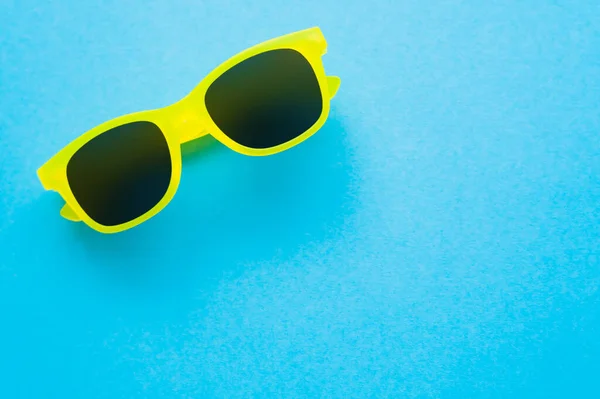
pixel 437 238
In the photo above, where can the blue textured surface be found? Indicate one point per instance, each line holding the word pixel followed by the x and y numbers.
pixel 438 237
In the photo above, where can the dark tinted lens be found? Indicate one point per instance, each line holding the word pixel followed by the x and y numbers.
pixel 122 173
pixel 266 100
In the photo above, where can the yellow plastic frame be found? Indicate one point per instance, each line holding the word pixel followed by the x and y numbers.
pixel 188 119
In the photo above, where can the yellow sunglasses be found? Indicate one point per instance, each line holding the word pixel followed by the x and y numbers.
pixel 262 101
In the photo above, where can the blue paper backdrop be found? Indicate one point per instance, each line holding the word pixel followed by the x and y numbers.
pixel 437 238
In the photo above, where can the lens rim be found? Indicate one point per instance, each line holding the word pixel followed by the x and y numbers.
pixel 142 141
pixel 296 73
pixel 312 46
pixel 160 119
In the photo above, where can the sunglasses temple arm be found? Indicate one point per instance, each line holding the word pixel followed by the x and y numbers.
pixel 68 213
pixel 333 84
pixel 48 180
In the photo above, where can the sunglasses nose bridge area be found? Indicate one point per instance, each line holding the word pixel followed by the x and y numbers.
pixel 190 126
